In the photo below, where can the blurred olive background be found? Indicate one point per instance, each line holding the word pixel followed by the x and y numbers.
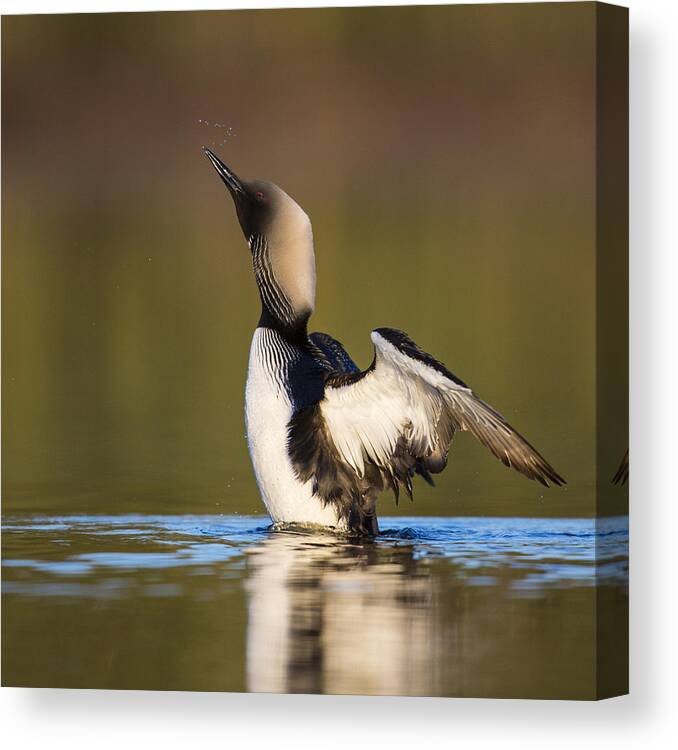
pixel 446 156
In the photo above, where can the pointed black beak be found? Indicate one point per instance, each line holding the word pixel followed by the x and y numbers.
pixel 231 180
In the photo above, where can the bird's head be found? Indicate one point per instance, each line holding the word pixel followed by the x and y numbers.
pixel 280 237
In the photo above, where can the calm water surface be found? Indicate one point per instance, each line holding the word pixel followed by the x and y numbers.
pixel 434 606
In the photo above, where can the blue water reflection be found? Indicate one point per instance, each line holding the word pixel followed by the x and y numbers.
pixel 433 606
pixel 549 552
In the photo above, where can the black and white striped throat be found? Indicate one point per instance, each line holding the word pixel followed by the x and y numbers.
pixel 292 368
pixel 274 301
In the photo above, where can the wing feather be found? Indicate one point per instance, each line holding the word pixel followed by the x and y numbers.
pixel 409 398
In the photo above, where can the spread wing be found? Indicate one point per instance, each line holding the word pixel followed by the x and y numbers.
pixel 408 401
pixel 379 427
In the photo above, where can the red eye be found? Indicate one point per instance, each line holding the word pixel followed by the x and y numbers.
pixel 259 196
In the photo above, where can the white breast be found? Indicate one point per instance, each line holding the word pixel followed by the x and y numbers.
pixel 268 410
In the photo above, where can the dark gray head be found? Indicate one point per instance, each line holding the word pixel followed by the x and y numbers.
pixel 279 234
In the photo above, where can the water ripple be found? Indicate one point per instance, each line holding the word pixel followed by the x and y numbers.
pixel 539 553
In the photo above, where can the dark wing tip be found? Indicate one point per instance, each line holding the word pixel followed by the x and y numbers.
pixel 542 470
pixel 555 479
pixel 622 475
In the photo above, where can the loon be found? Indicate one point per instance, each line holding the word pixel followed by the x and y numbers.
pixel 325 437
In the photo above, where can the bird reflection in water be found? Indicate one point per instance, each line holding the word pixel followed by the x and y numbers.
pixel 333 615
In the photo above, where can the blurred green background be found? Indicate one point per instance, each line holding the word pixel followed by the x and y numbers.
pixel 446 157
